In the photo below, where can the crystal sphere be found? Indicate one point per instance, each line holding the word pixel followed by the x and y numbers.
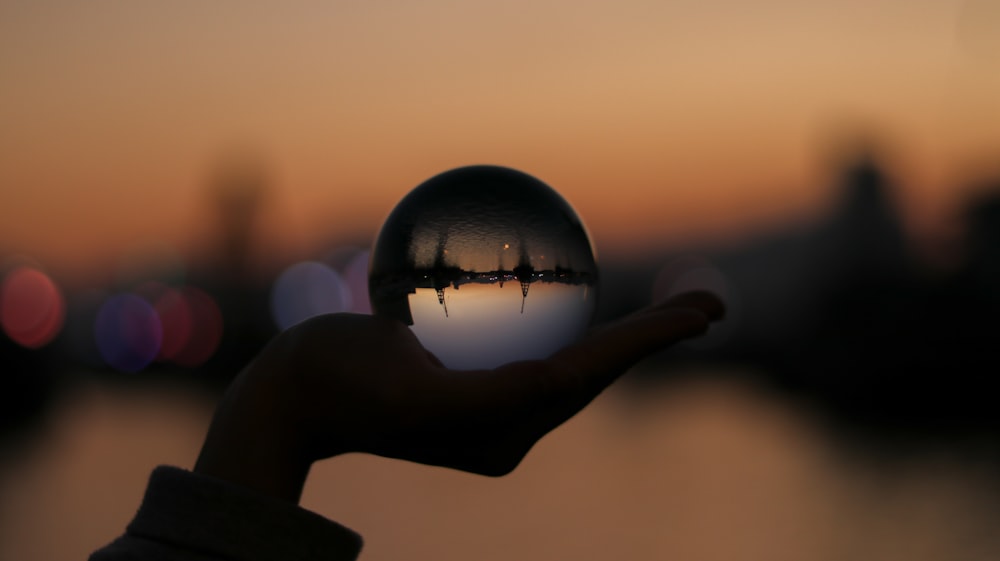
pixel 487 265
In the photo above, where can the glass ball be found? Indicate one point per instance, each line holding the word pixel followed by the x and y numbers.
pixel 487 265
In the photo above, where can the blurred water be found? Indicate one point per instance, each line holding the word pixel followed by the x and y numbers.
pixel 697 470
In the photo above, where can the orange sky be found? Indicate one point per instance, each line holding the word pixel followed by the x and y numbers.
pixel 656 120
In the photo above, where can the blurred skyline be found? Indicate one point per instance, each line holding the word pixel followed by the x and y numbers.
pixel 659 122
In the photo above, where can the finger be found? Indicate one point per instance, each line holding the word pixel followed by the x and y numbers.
pixel 707 302
pixel 703 301
pixel 602 358
pixel 611 350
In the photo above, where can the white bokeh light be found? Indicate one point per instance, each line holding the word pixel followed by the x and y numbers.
pixel 308 289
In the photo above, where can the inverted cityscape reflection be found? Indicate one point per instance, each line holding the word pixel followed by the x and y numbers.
pixel 487 265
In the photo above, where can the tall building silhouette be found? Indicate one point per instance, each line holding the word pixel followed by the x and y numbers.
pixel 524 272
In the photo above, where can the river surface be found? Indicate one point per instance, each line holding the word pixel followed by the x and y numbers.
pixel 699 470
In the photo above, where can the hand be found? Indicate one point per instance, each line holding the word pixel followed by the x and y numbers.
pixel 352 383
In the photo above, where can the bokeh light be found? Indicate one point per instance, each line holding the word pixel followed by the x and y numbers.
pixel 351 263
pixel 190 319
pixel 308 289
pixel 175 320
pixel 204 328
pixel 32 309
pixel 128 332
pixel 693 273
pixel 687 274
pixel 355 273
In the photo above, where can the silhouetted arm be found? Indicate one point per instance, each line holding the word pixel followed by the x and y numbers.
pixel 194 517
pixel 352 383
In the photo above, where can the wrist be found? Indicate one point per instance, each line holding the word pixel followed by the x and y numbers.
pixel 253 440
pixel 259 462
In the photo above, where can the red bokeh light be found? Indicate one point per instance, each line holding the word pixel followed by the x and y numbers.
pixel 205 327
pixel 32 309
pixel 176 319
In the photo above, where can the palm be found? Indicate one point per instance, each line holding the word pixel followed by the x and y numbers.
pixel 368 385
pixel 351 383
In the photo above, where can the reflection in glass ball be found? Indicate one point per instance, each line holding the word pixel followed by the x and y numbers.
pixel 487 265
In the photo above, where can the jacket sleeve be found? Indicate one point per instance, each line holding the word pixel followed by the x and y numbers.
pixel 193 517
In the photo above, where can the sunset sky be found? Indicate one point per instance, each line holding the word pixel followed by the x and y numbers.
pixel 656 120
pixel 662 122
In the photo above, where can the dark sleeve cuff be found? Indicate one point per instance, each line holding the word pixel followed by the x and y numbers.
pixel 216 518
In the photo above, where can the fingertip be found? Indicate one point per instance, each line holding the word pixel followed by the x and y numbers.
pixel 689 322
pixel 708 303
